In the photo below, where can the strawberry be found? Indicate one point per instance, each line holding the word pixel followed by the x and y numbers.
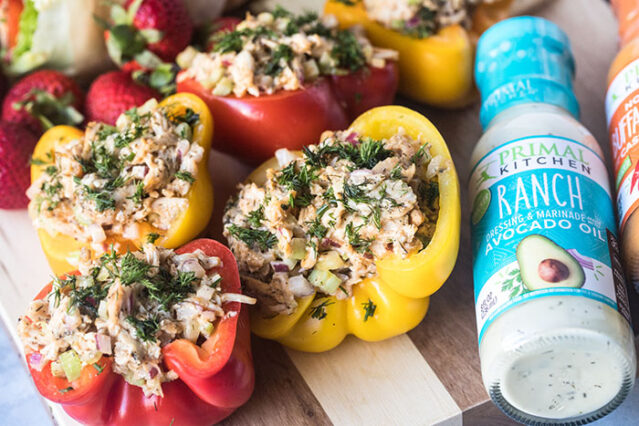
pixel 16 146
pixel 42 100
pixel 113 93
pixel 145 33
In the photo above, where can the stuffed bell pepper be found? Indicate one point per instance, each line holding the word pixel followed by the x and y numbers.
pixel 350 236
pixel 153 337
pixel 435 40
pixel 145 179
pixel 279 80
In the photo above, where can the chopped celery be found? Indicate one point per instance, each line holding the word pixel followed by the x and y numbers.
pixel 102 310
pixel 298 248
pixel 206 328
pixel 326 281
pixel 103 275
pixel 223 87
pixel 71 364
pixel 133 381
pixel 329 261
pixel 290 262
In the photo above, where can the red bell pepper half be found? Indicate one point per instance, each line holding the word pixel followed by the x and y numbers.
pixel 214 378
pixel 253 128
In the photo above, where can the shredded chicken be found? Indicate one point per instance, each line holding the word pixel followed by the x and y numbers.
pixel 118 181
pixel 421 18
pixel 279 51
pixel 322 219
pixel 127 307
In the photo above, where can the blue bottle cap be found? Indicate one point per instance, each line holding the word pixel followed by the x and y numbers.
pixel 522 60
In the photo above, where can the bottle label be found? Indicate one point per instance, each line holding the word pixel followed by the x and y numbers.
pixel 542 225
pixel 622 114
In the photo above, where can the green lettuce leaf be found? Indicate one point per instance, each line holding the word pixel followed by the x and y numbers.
pixel 27 26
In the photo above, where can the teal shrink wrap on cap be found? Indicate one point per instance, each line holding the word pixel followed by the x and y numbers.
pixel 523 60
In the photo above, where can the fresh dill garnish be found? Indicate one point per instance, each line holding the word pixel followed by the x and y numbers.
pixel 369 309
pixel 101 197
pixel 233 41
pixel 256 217
pixel 145 329
pixel 67 389
pixel 329 196
pixel 98 367
pixel 428 192
pixel 348 51
pixel 298 181
pixel 376 216
pixel 189 117
pixel 228 41
pixel 365 154
pixel 105 131
pixel 152 237
pixel 59 284
pixel 51 170
pixel 419 155
pixel 132 269
pixel 316 229
pixel 281 53
pixel 139 193
pixel 356 194
pixel 259 238
pixel 396 173
pixel 51 192
pixel 319 311
pixel 87 298
pixel 281 12
pixel 185 176
pixel 371 152
pixel 37 162
pixel 361 245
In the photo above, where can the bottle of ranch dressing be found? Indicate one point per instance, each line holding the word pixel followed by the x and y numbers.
pixel 555 340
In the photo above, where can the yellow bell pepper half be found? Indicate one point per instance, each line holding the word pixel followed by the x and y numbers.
pixel 401 290
pixel 61 250
pixel 437 70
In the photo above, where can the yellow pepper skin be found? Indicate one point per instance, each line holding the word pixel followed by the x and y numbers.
pixel 401 290
pixel 436 70
pixel 60 249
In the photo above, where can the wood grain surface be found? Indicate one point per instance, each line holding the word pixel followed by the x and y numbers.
pixel 429 376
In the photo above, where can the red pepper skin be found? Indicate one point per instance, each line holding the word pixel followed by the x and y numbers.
pixel 253 128
pixel 366 89
pixel 214 379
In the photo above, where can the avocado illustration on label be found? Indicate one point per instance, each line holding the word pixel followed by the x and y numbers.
pixel 543 264
pixel 480 206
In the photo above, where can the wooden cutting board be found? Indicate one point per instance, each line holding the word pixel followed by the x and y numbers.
pixel 428 376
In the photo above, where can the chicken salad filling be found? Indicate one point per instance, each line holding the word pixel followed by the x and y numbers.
pixel 279 51
pixel 320 220
pixel 128 180
pixel 127 307
pixel 421 18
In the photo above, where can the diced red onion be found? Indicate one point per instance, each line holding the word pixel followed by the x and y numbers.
pixel 35 361
pixel 279 267
pixel 153 372
pixel 103 343
pixel 332 243
pixel 352 138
